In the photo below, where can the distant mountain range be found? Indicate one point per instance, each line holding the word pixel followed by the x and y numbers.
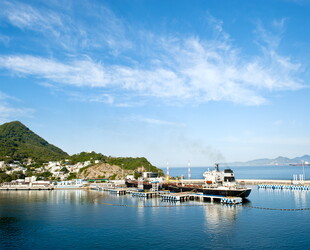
pixel 277 161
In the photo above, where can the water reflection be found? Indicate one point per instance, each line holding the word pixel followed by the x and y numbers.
pixel 217 215
pixel 300 198
pixel 285 197
pixel 57 197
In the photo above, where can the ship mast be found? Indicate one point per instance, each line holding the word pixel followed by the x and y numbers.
pixel 216 167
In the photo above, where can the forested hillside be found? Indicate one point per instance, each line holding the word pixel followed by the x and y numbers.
pixel 19 143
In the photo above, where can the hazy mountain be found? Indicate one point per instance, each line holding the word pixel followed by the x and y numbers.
pixel 17 142
pixel 277 161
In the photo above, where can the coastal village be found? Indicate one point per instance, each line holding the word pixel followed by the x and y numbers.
pixel 27 164
pixel 148 184
pixel 63 175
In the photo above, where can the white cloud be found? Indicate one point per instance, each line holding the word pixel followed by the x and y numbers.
pixel 77 73
pixel 64 27
pixel 177 69
pixel 199 73
pixel 24 16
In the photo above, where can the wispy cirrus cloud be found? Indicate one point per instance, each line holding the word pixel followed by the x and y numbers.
pixel 175 68
pixel 25 16
pixel 64 27
pixel 194 71
pixel 77 73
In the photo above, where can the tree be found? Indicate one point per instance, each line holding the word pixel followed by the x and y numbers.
pixel 64 170
pixel 136 175
pixel 72 176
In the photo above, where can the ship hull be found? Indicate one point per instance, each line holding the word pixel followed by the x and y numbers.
pixel 178 189
pixel 134 184
pixel 243 192
pixel 235 192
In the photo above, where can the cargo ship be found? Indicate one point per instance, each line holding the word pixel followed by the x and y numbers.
pixel 223 183
pixel 216 182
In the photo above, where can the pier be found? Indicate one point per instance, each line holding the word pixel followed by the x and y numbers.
pixel 202 197
pixel 167 195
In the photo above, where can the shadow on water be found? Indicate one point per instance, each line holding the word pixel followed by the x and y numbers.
pixel 246 201
pixel 7 220
pixel 9 228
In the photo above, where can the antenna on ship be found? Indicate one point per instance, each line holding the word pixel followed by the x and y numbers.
pixel 189 169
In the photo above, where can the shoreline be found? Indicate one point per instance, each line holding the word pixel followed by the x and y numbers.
pixel 184 182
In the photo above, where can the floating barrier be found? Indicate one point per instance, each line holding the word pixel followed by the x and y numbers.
pixel 175 197
pixel 144 194
pixel 231 200
pixel 288 187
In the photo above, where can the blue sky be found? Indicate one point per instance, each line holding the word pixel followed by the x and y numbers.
pixel 170 80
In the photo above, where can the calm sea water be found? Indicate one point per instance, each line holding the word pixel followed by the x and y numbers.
pixel 77 219
pixel 245 172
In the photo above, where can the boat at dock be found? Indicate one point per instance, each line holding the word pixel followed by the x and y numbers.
pixel 215 182
pixel 223 183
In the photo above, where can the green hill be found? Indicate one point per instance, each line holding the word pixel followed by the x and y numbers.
pixel 126 163
pixel 17 142
pixel 129 163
